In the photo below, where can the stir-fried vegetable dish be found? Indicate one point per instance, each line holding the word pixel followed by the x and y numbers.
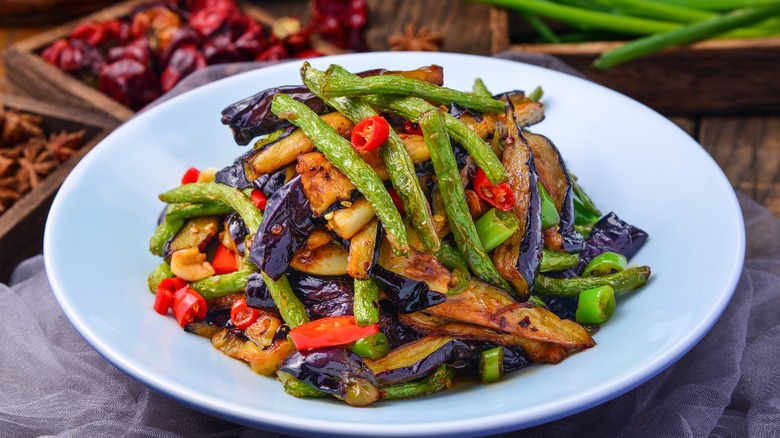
pixel 386 234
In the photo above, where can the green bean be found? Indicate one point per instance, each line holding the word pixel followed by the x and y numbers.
pixel 341 153
pixel 536 94
pixel 480 89
pixel 290 307
pixel 451 258
pixel 397 160
pixel 688 34
pixel 221 285
pixel 440 379
pixel 557 260
pixel 160 273
pixel 186 210
pixel 626 280
pixel 211 192
pixel 718 5
pixel 163 233
pixel 301 389
pixel 366 302
pixel 541 28
pixel 332 86
pixel 411 108
pixel 458 216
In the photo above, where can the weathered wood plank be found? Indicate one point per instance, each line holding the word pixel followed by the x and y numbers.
pixel 748 151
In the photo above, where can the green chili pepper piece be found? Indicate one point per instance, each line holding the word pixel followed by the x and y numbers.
pixel 458 282
pixel 451 258
pixel 491 365
pixel 375 346
pixel 160 273
pixel 604 264
pixel 495 226
pixel 550 216
pixel 595 306
pixel 366 302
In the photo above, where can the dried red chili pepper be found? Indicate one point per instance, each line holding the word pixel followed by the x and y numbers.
pixel 341 22
pixel 77 55
pixel 138 49
pixel 208 16
pixel 184 61
pixel 184 36
pixel 129 82
pixel 273 53
pixel 52 53
pixel 220 49
pixel 94 34
pixel 159 24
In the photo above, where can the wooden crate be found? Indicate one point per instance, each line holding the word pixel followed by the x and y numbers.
pixel 21 226
pixel 29 74
pixel 725 76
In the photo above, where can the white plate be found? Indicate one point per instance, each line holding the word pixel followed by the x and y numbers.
pixel 630 159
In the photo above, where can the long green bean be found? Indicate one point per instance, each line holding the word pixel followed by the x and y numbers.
pixel 397 160
pixel 332 86
pixel 290 307
pixel 557 260
pixel 366 302
pixel 221 285
pixel 185 210
pixel 411 108
pixel 458 216
pixel 626 280
pixel 213 192
pixel 341 153
pixel 688 34
pixel 158 274
pixel 163 233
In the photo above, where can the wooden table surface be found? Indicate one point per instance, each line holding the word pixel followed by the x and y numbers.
pixel 746 146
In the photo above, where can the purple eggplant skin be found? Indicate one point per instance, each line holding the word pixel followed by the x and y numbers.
pixel 609 234
pixel 238 230
pixel 515 358
pixel 336 371
pixel 257 293
pixel 323 296
pixel 252 116
pixel 406 294
pixel 562 307
pixel 452 350
pixel 287 223
pixel 234 175
pixel 397 333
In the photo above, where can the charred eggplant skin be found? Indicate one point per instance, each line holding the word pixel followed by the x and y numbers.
pixel 335 371
pixel 323 296
pixel 407 294
pixel 251 117
pixel 286 226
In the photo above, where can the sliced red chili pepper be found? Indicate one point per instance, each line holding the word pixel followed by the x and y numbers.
pixel 163 298
pixel 396 200
pixel 330 331
pixel 190 176
pixel 224 261
pixel 412 128
pixel 499 196
pixel 258 197
pixel 370 133
pixel 242 315
pixel 188 306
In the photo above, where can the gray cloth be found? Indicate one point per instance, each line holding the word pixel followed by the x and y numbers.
pixel 53 383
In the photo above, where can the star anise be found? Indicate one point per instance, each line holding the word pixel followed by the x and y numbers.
pixel 34 164
pixel 6 164
pixel 18 127
pixel 8 193
pixel 64 144
pixel 413 40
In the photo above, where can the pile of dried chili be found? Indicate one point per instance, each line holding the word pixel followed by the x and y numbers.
pixel 136 58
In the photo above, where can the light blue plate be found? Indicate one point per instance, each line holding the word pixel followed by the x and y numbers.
pixel 630 159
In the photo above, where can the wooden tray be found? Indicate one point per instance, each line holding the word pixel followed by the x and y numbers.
pixel 29 74
pixel 711 77
pixel 21 226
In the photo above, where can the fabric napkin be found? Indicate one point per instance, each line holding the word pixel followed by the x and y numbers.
pixel 52 383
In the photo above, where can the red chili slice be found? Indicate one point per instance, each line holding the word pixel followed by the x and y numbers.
pixel 224 261
pixel 412 128
pixel 188 306
pixel 330 331
pixel 242 315
pixel 259 199
pixel 190 176
pixel 370 133
pixel 397 201
pixel 163 298
pixel 499 196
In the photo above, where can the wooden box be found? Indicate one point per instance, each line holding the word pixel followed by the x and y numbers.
pixel 28 74
pixel 21 226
